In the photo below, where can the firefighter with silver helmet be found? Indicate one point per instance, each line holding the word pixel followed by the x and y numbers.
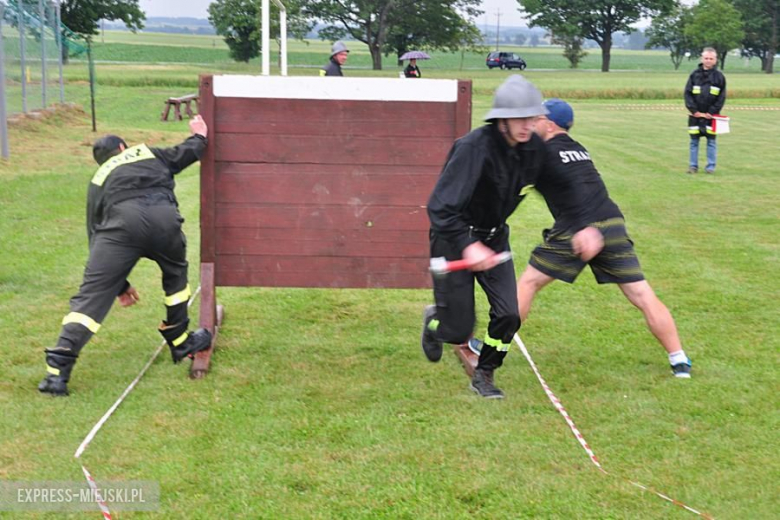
pixel 487 174
pixel 338 57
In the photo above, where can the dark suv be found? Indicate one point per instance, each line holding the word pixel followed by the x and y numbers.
pixel 505 60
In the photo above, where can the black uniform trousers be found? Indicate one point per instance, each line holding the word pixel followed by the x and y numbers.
pixel 143 227
pixel 454 294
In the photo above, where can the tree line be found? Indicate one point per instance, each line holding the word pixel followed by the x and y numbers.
pixel 392 27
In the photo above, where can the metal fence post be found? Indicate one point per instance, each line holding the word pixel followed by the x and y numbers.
pixel 3 113
pixel 22 52
pixel 42 22
pixel 57 23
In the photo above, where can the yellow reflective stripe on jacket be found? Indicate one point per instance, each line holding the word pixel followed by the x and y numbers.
pixel 323 72
pixel 52 370
pixel 181 339
pixel 714 90
pixel 710 130
pixel 693 129
pixel 131 155
pixel 696 90
pixel 526 189
pixel 496 344
pixel 82 319
pixel 179 297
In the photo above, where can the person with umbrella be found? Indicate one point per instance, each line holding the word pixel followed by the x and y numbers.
pixel 412 70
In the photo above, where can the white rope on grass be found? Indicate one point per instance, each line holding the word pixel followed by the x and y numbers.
pixel 559 406
pixel 91 435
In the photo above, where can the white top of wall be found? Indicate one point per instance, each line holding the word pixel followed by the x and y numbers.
pixel 336 88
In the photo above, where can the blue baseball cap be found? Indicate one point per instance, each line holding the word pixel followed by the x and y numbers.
pixel 560 112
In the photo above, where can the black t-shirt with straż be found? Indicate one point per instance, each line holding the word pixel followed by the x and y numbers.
pixel 572 187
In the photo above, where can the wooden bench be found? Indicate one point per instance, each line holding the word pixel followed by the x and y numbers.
pixel 176 103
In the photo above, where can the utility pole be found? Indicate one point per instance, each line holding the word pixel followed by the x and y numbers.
pixel 498 25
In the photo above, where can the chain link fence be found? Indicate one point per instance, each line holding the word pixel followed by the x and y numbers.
pixel 35 54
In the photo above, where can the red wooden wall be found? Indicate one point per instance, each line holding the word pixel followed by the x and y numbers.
pixel 323 192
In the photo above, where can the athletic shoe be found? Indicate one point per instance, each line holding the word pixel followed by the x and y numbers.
pixel 710 170
pixel 475 345
pixel 432 347
pixel 693 169
pixel 682 370
pixel 482 384
pixel 195 342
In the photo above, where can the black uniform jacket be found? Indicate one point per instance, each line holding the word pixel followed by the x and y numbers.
pixel 136 172
pixel 572 187
pixel 705 92
pixel 483 181
pixel 331 69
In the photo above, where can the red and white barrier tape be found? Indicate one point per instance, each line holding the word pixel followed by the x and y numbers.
pixel 98 498
pixel 559 406
pixel 91 435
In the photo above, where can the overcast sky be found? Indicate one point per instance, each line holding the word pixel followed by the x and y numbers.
pixel 198 9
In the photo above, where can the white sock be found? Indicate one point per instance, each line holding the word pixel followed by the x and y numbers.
pixel 675 358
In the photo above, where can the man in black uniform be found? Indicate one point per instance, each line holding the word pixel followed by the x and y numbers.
pixel 338 57
pixel 487 173
pixel 705 95
pixel 589 229
pixel 132 213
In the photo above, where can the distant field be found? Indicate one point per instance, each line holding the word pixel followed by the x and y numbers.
pixel 119 45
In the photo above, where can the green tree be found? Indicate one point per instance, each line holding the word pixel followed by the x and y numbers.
pixel 238 22
pixel 572 47
pixel 592 20
pixel 83 16
pixel 716 24
pixel 668 31
pixel 761 30
pixel 433 26
pixel 398 24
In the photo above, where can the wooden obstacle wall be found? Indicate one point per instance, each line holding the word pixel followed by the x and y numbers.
pixel 323 182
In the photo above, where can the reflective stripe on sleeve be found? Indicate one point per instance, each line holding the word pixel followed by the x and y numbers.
pixel 696 90
pixel 714 91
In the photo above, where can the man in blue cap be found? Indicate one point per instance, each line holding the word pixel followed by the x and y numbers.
pixel 589 229
pixel 338 57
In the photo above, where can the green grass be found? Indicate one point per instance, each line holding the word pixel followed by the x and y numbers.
pixel 319 403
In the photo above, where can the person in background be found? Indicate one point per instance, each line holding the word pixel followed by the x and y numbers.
pixel 705 95
pixel 412 70
pixel 338 57
pixel 132 213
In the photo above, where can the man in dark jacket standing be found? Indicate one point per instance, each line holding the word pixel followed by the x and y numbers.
pixel 338 57
pixel 487 174
pixel 132 213
pixel 705 95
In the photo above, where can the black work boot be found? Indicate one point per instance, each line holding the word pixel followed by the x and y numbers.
pixel 182 343
pixel 58 367
pixel 195 342
pixel 432 347
pixel 482 383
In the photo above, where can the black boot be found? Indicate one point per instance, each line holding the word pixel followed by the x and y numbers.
pixel 182 343
pixel 432 347
pixel 482 383
pixel 58 367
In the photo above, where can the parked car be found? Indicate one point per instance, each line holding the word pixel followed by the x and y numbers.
pixel 505 60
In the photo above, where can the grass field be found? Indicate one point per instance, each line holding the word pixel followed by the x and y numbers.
pixel 319 403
